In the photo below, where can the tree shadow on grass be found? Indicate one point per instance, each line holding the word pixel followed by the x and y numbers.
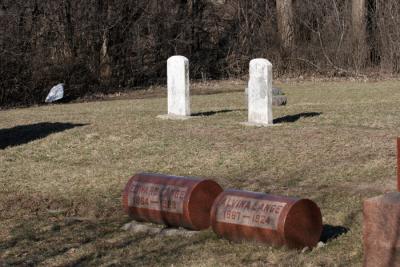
pixel 214 112
pixel 330 232
pixel 23 134
pixel 296 117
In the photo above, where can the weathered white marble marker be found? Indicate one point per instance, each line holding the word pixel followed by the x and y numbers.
pixel 178 86
pixel 260 93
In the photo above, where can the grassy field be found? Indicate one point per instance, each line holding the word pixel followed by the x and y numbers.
pixel 63 167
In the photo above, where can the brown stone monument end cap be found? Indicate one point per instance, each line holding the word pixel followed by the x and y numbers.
pixel 388 198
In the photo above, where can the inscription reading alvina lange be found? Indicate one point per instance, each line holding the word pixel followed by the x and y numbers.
pixel 250 212
pixel 157 197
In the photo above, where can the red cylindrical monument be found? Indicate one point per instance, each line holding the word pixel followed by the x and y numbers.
pixel 170 200
pixel 277 220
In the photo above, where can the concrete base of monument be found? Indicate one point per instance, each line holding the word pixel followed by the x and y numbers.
pixel 256 124
pixel 174 117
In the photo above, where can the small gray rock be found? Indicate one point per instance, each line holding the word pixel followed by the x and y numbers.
pixel 137 228
pixel 277 91
pixel 279 100
pixel 178 232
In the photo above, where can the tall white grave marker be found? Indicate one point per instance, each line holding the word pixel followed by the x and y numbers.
pixel 260 92
pixel 178 86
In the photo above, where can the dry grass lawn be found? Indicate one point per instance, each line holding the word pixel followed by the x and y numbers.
pixel 63 167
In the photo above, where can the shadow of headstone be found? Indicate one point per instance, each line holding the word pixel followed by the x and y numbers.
pixel 23 134
pixel 330 232
pixel 213 112
pixel 296 117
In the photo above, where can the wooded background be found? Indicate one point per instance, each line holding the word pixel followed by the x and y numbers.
pixel 110 45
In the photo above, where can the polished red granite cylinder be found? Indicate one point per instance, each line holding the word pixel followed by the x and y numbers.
pixel 381 226
pixel 277 220
pixel 170 200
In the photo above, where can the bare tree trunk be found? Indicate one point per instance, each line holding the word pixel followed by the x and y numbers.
pixel 359 29
pixel 70 29
pixel 285 23
pixel 105 61
pixel 389 34
pixel 105 64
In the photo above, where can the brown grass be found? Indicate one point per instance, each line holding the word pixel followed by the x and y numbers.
pixel 60 184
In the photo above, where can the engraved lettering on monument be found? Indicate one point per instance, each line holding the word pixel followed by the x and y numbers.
pixel 250 212
pixel 157 197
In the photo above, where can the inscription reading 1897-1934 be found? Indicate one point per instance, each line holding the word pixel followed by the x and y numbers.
pixel 157 197
pixel 250 212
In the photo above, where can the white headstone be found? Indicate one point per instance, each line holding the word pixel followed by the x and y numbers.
pixel 178 86
pixel 260 92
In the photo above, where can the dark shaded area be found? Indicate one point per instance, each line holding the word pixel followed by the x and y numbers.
pixel 296 117
pixel 214 112
pixel 117 46
pixel 26 233
pixel 87 232
pixel 330 232
pixel 66 99
pixel 26 133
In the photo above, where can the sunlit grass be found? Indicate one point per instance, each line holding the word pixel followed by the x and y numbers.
pixel 338 157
